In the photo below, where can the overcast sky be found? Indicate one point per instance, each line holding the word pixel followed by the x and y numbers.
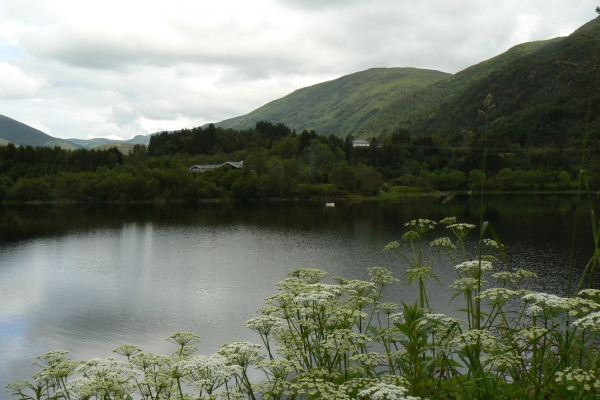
pixel 118 68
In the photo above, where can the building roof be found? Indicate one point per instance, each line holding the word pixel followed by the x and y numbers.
pixel 204 167
pixel 359 142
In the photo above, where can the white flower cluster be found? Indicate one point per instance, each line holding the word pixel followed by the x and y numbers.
pixel 575 378
pixel 184 338
pixel 419 273
pixel 381 276
pixel 397 317
pixel 500 295
pixel 369 360
pixel 344 340
pixel 512 277
pixel 421 223
pixel 127 350
pixel 493 244
pixel 391 246
pixel 593 294
pixel 385 391
pixel 574 306
pixel 310 299
pixel 502 361
pixel 472 267
pixel 241 353
pixel 591 322
pixel 207 372
pixel 387 308
pixel 443 242
pixel 102 378
pixel 309 275
pixel 448 220
pixel 461 227
pixel 263 325
pixel 410 235
pixel 477 337
pixel 530 335
pixel 466 284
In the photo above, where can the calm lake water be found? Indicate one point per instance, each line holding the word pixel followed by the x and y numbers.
pixel 88 279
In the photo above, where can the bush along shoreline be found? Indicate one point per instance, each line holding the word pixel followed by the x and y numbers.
pixel 277 163
pixel 348 341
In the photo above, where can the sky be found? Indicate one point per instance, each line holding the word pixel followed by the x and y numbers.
pixel 119 68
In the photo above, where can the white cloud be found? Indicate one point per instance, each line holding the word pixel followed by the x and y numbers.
pixel 126 67
pixel 14 83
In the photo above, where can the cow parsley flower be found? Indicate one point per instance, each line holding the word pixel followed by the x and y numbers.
pixel 410 235
pixel 474 337
pixel 573 306
pixel 461 226
pixel 472 267
pixel 397 317
pixel 513 277
pixel 381 276
pixel 241 353
pixel 127 350
pixel 493 244
pixel 419 273
pixel 467 284
pixel 263 325
pixel 184 338
pixel 391 246
pixel 310 299
pixel 309 275
pixel 387 308
pixel 448 221
pixel 499 295
pixel 591 322
pixel 421 224
pixel 443 242
pixel 385 391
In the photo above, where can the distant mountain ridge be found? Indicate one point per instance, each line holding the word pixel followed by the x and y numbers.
pixel 23 135
pixel 18 133
pixel 339 106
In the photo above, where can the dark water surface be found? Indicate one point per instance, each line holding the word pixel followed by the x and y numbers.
pixel 87 279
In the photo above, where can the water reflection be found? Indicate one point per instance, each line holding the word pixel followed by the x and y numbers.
pixel 88 279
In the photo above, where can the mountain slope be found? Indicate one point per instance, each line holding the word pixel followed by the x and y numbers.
pixel 543 102
pixel 103 143
pixel 426 102
pixel 24 135
pixel 339 106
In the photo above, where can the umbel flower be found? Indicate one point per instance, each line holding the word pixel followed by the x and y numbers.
pixel 385 391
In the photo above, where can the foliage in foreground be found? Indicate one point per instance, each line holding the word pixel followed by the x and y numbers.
pixel 343 341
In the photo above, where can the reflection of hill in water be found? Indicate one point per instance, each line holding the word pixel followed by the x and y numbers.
pixel 548 213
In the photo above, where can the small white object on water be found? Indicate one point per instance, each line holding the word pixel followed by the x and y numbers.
pixel 329 204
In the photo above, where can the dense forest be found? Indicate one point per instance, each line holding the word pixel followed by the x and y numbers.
pixel 280 163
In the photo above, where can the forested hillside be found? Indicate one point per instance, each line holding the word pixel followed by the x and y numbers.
pixel 407 111
pixel 339 106
pixel 547 95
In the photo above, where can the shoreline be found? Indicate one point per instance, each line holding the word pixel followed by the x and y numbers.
pixel 384 197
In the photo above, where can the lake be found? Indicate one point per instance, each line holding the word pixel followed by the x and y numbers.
pixel 90 278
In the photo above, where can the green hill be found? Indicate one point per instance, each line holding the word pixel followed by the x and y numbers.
pixel 24 135
pixel 543 102
pixel 102 142
pixel 427 102
pixel 339 106
pixel 90 143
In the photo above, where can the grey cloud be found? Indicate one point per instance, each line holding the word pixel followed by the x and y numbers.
pixel 124 118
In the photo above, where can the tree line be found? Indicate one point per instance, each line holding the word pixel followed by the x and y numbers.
pixel 278 163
